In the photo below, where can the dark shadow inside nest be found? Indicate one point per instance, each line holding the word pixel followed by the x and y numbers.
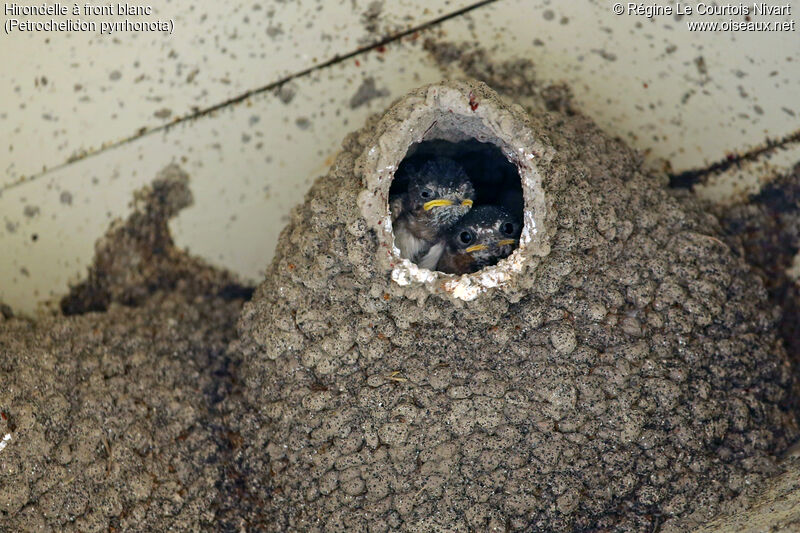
pixel 456 207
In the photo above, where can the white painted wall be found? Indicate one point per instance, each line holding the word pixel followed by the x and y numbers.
pixel 84 117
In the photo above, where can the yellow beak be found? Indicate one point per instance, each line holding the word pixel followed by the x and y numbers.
pixel 476 247
pixel 467 203
pixel 506 241
pixel 427 206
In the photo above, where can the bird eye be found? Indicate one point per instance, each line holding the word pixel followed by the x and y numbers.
pixel 465 237
pixel 507 228
pixel 426 193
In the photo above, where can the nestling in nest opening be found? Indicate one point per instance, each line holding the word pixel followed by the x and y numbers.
pixel 456 206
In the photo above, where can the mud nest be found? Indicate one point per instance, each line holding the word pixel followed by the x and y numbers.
pixel 620 370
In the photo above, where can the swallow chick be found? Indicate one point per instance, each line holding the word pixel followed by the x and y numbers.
pixel 439 194
pixel 481 238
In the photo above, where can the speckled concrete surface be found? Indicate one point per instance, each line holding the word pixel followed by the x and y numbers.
pixel 628 374
pixel 82 91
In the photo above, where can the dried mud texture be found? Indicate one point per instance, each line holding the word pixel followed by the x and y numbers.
pixel 137 256
pixel 768 226
pixel 627 374
pixel 5 312
pixel 110 416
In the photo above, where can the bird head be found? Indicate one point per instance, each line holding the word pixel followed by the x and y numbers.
pixel 486 234
pixel 440 192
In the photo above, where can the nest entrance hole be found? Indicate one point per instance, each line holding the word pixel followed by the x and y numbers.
pixel 495 179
